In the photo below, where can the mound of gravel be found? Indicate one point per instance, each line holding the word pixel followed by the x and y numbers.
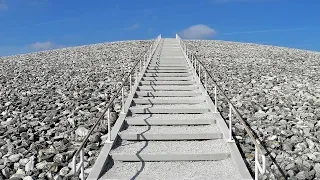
pixel 49 101
pixel 277 90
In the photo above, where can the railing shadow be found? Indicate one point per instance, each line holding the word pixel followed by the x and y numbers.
pixel 143 164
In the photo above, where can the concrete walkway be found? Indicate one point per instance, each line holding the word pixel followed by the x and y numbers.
pixel 170 131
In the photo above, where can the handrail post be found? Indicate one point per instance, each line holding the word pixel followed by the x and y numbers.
pixel 199 72
pixel 230 123
pixel 140 69
pixel 130 79
pixel 257 167
pixel 82 165
pixel 195 66
pixel 74 165
pixel 215 99
pixel 136 71
pixel 123 110
pixel 205 81
pixel 109 126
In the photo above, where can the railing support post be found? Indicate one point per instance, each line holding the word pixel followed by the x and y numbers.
pixel 205 81
pixel 257 167
pixel 74 165
pixel 130 81
pixel 215 99
pixel 199 72
pixel 109 126
pixel 82 165
pixel 256 170
pixel 195 66
pixel 123 110
pixel 230 123
pixel 136 80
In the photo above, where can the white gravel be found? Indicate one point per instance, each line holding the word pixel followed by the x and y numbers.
pixel 277 90
pixel 46 96
pixel 172 147
pixel 172 129
pixel 204 170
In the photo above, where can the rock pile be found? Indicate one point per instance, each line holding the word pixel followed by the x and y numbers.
pixel 277 90
pixel 49 101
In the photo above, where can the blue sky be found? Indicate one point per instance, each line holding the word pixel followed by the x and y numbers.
pixel 32 25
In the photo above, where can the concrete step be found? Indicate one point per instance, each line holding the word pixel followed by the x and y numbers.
pixel 167 88
pixel 170 119
pixel 205 150
pixel 182 170
pixel 169 109
pixel 164 68
pixel 177 63
pixel 167 93
pixel 167 74
pixel 169 71
pixel 167 82
pixel 171 53
pixel 169 60
pixel 169 100
pixel 163 57
pixel 199 132
pixel 182 64
pixel 189 78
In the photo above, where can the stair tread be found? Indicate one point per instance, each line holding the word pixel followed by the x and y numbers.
pixel 208 115
pixel 167 82
pixel 183 170
pixel 167 87
pixel 171 106
pixel 168 71
pixel 199 129
pixel 176 99
pixel 171 147
pixel 168 78
pixel 182 93
pixel 179 92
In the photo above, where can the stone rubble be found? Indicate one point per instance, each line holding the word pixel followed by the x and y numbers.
pixel 50 100
pixel 46 97
pixel 277 90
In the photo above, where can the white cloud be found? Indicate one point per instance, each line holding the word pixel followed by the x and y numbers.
pixel 43 46
pixel 3 5
pixel 199 31
pixel 133 27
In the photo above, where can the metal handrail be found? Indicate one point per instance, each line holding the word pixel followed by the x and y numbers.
pixel 256 142
pixel 80 152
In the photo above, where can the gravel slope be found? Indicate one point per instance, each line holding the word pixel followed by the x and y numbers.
pixel 278 91
pixel 48 98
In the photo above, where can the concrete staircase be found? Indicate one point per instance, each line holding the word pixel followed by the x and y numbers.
pixel 169 131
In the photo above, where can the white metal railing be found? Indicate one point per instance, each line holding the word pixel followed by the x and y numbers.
pixel 197 64
pixel 78 169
